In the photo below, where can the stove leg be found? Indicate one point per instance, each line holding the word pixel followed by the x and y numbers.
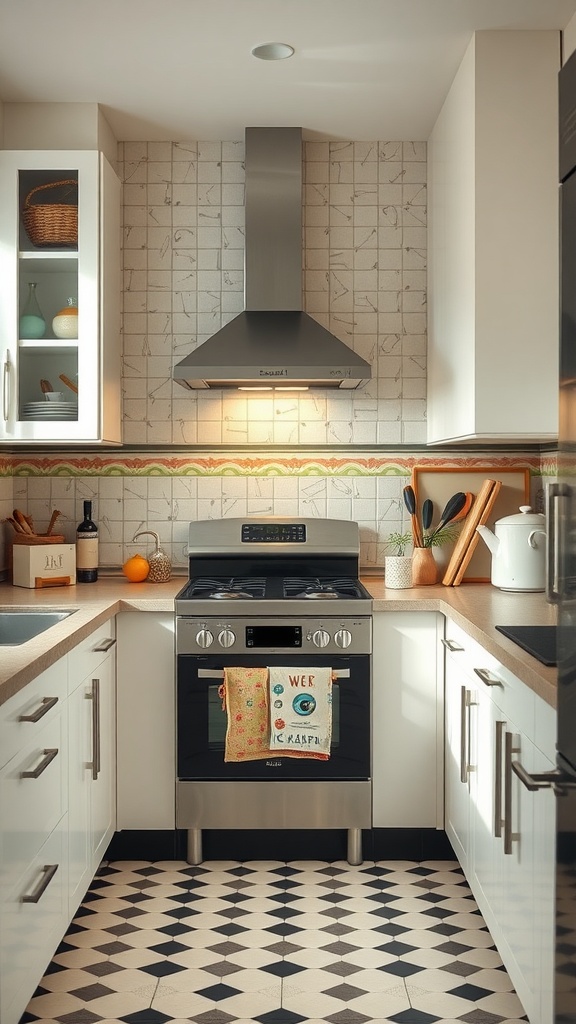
pixel 354 855
pixel 194 851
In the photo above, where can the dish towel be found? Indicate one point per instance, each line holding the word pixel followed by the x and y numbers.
pixel 301 710
pixel 244 695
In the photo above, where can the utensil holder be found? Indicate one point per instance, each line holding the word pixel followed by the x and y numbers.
pixel 424 568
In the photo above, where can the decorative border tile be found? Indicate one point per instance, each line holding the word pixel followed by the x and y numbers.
pixel 259 465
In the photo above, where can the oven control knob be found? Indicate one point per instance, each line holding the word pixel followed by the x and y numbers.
pixel 321 638
pixel 204 638
pixel 343 638
pixel 226 637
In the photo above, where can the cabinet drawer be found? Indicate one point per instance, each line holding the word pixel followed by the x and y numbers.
pixel 27 712
pixel 514 699
pixel 33 797
pixel 31 931
pixel 89 653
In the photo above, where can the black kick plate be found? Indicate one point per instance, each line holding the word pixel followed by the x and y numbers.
pixel 539 641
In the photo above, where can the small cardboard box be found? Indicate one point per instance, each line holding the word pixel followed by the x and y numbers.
pixel 44 563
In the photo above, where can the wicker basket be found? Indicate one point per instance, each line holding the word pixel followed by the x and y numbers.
pixel 52 224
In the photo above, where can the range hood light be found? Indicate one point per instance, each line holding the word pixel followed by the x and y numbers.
pixel 252 387
pixel 294 387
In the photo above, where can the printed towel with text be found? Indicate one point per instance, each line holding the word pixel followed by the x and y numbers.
pixel 301 710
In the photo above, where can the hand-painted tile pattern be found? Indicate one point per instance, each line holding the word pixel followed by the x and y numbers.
pixel 364 224
pixel 166 492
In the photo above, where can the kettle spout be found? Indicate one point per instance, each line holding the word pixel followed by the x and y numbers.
pixel 489 538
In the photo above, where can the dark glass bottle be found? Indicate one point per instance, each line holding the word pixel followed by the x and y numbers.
pixel 87 548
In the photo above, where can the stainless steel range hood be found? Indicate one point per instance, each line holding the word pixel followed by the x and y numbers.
pixel 273 343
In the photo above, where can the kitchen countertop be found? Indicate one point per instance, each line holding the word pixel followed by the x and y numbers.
pixel 475 607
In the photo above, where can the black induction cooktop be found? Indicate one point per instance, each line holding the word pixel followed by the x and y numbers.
pixel 539 641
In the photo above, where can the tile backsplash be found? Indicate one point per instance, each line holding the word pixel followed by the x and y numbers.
pixel 364 242
pixel 364 255
pixel 166 492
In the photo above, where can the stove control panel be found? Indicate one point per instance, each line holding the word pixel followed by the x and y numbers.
pixel 261 636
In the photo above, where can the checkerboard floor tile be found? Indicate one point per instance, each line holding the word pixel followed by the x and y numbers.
pixel 277 943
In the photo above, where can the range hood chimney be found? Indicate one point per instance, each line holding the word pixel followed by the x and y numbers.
pixel 273 343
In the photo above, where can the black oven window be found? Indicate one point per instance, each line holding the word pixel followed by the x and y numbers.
pixel 217 718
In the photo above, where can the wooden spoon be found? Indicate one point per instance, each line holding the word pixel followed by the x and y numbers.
pixel 465 508
pixel 69 383
pixel 52 522
pixel 45 386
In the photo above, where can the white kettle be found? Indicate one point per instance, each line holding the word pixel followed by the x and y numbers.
pixel 518 547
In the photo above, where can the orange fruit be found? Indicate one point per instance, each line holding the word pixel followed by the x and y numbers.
pixel 136 568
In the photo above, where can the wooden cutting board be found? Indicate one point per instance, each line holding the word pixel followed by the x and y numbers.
pixel 468 539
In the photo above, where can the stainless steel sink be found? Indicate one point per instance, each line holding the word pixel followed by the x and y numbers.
pixel 17 625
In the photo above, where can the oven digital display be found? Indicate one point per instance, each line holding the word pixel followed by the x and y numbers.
pixel 273 533
pixel 273 636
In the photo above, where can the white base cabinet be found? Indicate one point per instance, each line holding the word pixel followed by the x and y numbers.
pixel 502 834
pixel 55 818
pixel 146 721
pixel 407 712
pixel 92 757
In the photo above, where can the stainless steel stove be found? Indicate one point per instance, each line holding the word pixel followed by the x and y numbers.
pixel 269 592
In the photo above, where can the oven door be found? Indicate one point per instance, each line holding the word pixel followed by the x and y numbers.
pixel 201 722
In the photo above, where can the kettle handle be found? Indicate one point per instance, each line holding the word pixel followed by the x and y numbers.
pixel 533 533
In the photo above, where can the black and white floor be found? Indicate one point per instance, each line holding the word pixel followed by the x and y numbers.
pixel 277 943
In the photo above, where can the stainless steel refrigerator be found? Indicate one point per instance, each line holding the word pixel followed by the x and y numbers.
pixel 562 566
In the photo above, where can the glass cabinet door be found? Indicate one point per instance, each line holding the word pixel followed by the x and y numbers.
pixel 50 319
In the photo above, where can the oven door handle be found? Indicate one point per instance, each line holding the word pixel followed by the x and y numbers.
pixel 218 673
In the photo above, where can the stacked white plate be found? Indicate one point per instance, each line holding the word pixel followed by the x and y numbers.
pixel 49 411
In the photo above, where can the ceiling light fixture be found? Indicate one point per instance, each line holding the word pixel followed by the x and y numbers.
pixel 273 51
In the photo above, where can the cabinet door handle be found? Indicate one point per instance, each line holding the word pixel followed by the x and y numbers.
pixel 487 678
pixel 49 756
pixel 48 872
pixel 509 749
pixel 556 494
pixel 94 696
pixel 542 780
pixel 500 727
pixel 466 702
pixel 105 645
pixel 47 703
pixel 451 645
pixel 6 387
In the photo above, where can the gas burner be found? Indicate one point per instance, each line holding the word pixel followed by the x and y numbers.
pixel 227 588
pixel 317 589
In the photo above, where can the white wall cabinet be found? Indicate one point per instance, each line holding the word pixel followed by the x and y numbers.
pixel 146 721
pixel 493 245
pixel 502 834
pixel 55 818
pixel 407 721
pixel 88 272
pixel 92 757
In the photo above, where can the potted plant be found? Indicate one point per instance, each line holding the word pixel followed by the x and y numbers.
pixel 398 566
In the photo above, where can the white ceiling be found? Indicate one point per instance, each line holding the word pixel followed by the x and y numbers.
pixel 182 69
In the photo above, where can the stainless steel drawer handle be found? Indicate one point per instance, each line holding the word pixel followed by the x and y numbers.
pixel 94 696
pixel 509 749
pixel 451 645
pixel 542 780
pixel 500 727
pixel 218 673
pixel 48 757
pixel 47 703
pixel 487 678
pixel 105 645
pixel 48 872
